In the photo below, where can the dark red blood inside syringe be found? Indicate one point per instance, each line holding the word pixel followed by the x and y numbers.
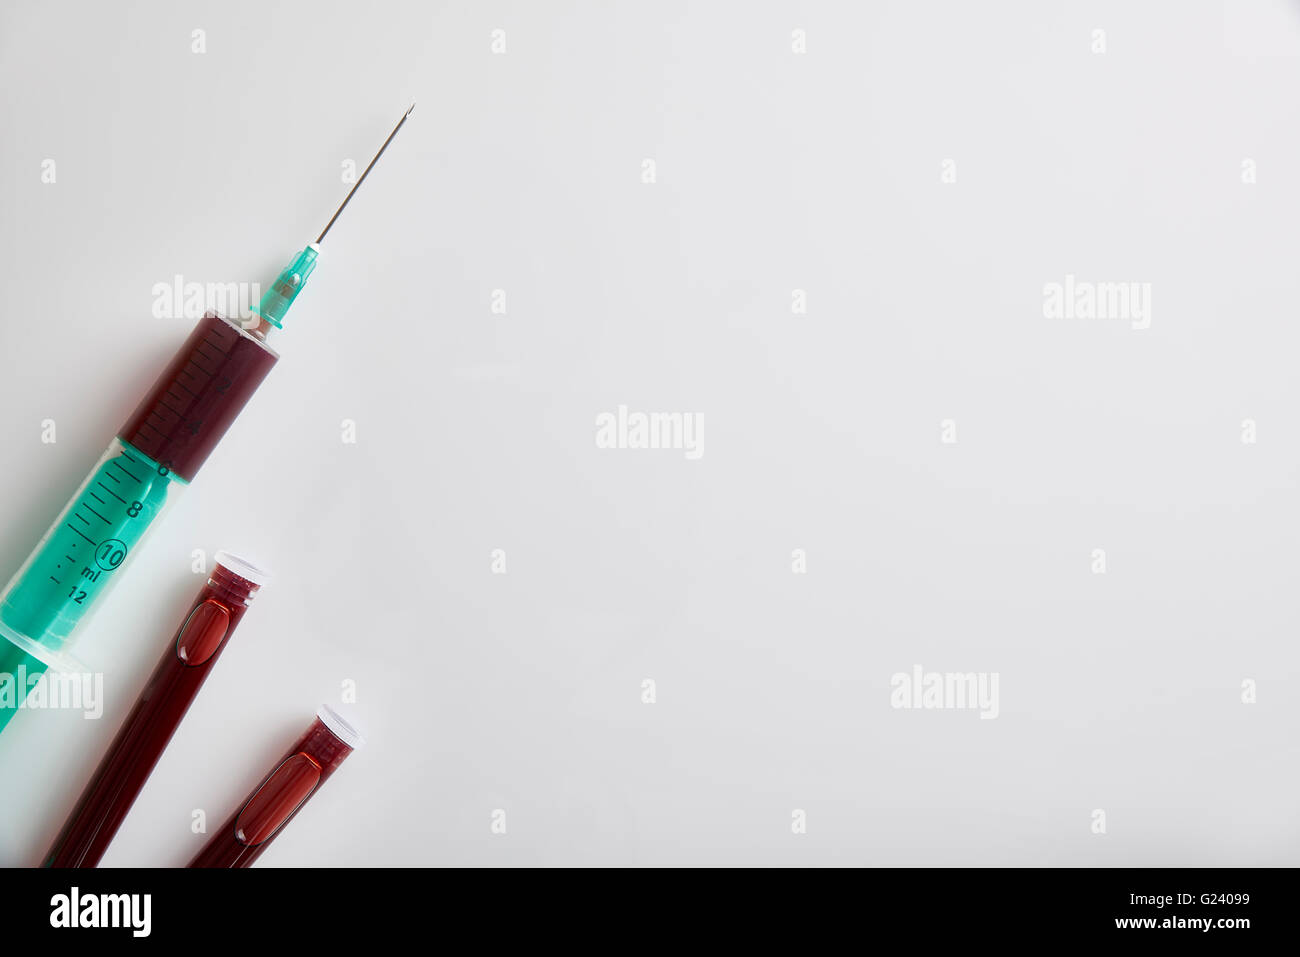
pixel 210 379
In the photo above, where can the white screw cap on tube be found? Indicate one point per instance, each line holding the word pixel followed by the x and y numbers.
pixel 340 728
pixel 242 567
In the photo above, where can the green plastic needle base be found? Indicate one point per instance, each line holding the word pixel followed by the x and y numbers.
pixel 287 285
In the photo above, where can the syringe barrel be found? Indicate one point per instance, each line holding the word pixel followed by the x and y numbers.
pixel 83 552
pixel 156 453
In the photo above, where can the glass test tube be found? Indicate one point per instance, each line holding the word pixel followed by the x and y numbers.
pixel 281 795
pixel 203 635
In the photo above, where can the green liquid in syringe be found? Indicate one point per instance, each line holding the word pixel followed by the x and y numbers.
pixel 75 561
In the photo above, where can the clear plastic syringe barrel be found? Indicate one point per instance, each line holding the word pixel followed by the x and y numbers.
pixel 72 566
pixel 155 455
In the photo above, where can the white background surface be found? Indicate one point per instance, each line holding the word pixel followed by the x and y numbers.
pixel 475 431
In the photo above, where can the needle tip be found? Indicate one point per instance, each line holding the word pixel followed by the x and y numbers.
pixel 366 172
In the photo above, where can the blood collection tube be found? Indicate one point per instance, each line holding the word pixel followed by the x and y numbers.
pixel 203 635
pixel 281 795
pixel 154 456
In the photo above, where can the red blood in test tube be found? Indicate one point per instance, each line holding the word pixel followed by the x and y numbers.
pixel 281 795
pixel 190 407
pixel 185 665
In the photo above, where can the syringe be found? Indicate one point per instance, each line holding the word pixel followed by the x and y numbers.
pixel 153 457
